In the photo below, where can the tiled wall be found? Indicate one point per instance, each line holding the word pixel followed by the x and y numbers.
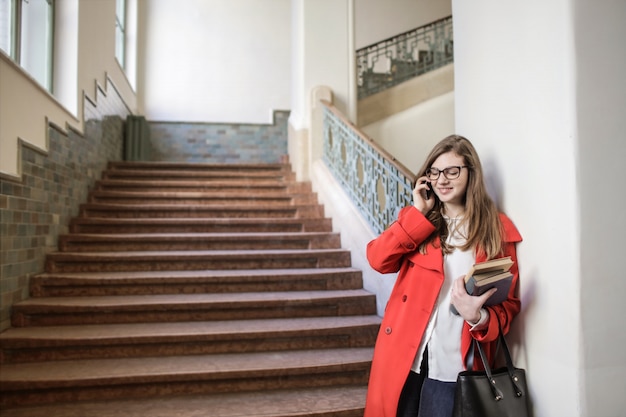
pixel 36 210
pixel 220 143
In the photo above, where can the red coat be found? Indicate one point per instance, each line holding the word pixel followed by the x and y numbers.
pixel 412 301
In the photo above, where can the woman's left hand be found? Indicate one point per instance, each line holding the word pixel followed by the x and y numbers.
pixel 467 305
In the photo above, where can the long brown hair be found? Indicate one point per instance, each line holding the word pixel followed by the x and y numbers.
pixel 481 218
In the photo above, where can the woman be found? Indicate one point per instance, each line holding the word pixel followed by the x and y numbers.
pixel 422 345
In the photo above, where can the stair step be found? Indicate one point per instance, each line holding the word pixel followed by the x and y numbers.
pixel 36 344
pixel 197 241
pixel 211 198
pixel 199 166
pixel 343 401
pixel 51 311
pixel 200 211
pixel 101 379
pixel 190 282
pixel 169 170
pixel 192 175
pixel 260 186
pixel 194 260
pixel 191 225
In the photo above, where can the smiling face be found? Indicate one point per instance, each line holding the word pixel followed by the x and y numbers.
pixel 451 192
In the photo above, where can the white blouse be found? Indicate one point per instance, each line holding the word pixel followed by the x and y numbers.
pixel 443 333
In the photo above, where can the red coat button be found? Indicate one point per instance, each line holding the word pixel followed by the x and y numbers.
pixel 388 330
pixel 404 297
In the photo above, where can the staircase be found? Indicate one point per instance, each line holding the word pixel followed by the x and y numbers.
pixel 193 290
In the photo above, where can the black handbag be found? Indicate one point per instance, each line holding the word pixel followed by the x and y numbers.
pixel 498 393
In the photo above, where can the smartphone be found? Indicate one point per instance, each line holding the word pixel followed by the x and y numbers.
pixel 429 190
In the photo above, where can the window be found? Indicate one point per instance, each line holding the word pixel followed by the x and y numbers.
pixel 26 35
pixel 6 26
pixel 120 32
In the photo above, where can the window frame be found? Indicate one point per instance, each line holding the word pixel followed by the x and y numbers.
pixel 13 40
pixel 120 31
pixel 16 36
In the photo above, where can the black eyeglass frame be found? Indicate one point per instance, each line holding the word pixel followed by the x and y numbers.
pixel 445 172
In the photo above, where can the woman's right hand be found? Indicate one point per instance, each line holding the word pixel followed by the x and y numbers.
pixel 419 196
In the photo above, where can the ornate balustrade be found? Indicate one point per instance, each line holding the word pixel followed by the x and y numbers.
pixel 401 57
pixel 378 184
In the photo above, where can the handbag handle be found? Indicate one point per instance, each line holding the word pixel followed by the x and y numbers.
pixel 509 366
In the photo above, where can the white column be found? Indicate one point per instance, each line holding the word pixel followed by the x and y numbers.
pixel 540 91
pixel 323 55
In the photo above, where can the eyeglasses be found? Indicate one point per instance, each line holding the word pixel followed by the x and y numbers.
pixel 450 173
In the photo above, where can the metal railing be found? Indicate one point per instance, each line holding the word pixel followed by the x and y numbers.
pixel 377 184
pixel 402 57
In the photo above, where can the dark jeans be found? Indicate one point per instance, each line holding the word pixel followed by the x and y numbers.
pixel 437 399
pixel 423 397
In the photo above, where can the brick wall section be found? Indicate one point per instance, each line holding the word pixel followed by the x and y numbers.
pixel 36 210
pixel 220 143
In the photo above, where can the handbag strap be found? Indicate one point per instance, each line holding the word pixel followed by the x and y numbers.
pixel 509 362
pixel 497 394
pixel 509 365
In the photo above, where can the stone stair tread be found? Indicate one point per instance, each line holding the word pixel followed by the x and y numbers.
pixel 193 281
pixel 226 185
pixel 230 205
pixel 104 372
pixel 234 182
pixel 169 301
pixel 253 204
pixel 312 402
pixel 181 331
pixel 168 202
pixel 247 258
pixel 196 166
pixel 223 222
pixel 195 253
pixel 205 241
pixel 191 275
pixel 208 210
pixel 135 242
pixel 185 220
pixel 195 236
pixel 156 168
pixel 250 193
pixel 183 254
pixel 193 173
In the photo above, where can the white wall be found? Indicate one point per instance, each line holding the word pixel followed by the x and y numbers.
pixel 514 79
pixel 376 20
pixel 215 60
pixel 599 34
pixel 410 134
pixel 96 51
pixel 323 54
pixel 540 92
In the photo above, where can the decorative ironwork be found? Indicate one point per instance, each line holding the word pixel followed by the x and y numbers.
pixel 401 57
pixel 378 185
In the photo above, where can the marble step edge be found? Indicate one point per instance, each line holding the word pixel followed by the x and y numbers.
pixel 223 366
pixel 334 401
pixel 179 332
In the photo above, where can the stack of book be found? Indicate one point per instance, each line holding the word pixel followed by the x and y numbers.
pixel 486 275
